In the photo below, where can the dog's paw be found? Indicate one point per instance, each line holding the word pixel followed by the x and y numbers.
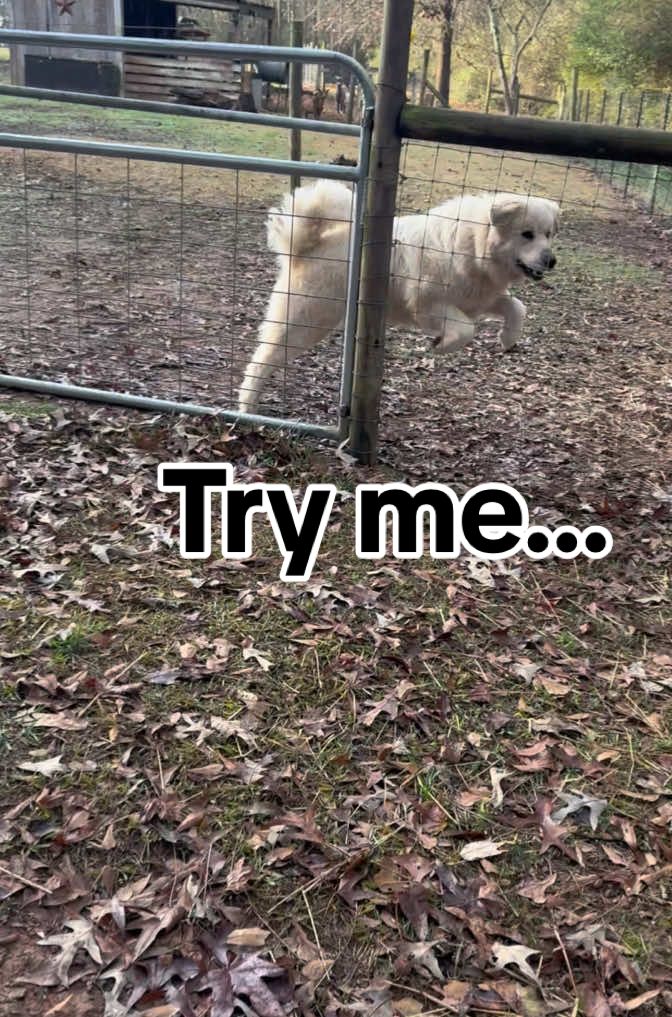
pixel 510 337
pixel 509 342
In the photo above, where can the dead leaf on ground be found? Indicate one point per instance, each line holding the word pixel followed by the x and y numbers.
pixel 480 849
pixel 516 955
pixel 80 937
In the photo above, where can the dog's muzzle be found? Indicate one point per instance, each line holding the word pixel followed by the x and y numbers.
pixel 546 262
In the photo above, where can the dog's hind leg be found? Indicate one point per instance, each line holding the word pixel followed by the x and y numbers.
pixel 458 331
pixel 290 328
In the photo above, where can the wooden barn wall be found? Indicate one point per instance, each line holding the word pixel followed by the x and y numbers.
pixel 57 67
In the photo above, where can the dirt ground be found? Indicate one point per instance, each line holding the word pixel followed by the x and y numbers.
pixel 403 787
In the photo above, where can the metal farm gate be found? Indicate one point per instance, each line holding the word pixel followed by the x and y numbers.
pixel 140 286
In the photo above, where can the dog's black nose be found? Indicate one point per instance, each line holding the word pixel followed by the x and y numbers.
pixel 550 260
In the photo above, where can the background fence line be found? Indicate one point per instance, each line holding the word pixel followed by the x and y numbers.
pixel 647 108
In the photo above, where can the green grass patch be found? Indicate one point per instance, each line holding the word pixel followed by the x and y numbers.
pixel 26 408
pixel 587 263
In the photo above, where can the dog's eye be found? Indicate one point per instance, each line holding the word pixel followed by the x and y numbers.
pixel 528 235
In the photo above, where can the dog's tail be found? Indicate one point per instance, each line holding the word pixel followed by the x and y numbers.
pixel 307 216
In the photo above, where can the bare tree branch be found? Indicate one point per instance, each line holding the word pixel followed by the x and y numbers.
pixel 531 35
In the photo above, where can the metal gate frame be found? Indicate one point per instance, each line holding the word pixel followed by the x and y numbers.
pixel 358 175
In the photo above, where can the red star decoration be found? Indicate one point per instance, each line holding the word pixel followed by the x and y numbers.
pixel 65 6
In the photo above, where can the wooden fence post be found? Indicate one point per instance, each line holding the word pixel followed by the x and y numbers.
pixel 423 79
pixel 619 119
pixel 619 111
pixel 638 123
pixel 378 230
pixel 656 170
pixel 562 101
pixel 295 88
pixel 575 94
pixel 603 106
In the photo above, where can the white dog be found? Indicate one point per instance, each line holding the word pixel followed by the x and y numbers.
pixel 450 268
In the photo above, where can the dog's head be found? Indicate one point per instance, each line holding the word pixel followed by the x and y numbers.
pixel 525 228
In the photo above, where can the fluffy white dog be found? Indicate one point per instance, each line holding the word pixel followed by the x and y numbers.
pixel 450 267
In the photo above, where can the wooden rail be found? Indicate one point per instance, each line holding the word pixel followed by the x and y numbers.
pixel 540 137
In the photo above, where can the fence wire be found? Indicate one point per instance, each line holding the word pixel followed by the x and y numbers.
pixel 652 109
pixel 150 280
pixel 652 185
pixel 583 337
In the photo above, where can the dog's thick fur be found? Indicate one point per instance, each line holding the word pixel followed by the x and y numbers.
pixel 450 267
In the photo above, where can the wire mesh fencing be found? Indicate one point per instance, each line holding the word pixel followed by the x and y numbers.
pixel 150 280
pixel 650 185
pixel 595 322
pixel 139 273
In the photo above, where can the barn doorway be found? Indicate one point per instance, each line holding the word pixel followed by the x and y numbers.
pixel 150 19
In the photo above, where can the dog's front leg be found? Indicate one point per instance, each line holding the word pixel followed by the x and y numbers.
pixel 513 312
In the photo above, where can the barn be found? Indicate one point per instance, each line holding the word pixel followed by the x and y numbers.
pixel 139 76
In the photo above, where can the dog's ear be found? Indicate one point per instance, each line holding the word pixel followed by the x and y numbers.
pixel 557 212
pixel 505 212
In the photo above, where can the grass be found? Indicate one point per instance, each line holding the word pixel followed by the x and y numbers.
pixel 637 180
pixel 605 269
pixel 168 131
pixel 19 407
pixel 430 173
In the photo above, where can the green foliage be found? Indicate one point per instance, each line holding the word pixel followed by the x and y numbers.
pixel 626 41
pixel 623 44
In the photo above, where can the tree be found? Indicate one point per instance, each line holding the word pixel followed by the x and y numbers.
pixel 444 12
pixel 514 26
pixel 341 24
pixel 629 41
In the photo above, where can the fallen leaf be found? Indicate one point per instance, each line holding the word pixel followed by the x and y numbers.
pixel 552 834
pixel 100 552
pixel 577 802
pixel 516 955
pixel 247 937
pixel 535 889
pixel 480 849
pixel 420 956
pixel 553 687
pixel 47 767
pixel 496 778
pixel 594 1002
pixel 239 877
pixel 248 975
pixel 249 653
pixel 80 937
pixel 170 917
pixel 60 721
pixel 637 1001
